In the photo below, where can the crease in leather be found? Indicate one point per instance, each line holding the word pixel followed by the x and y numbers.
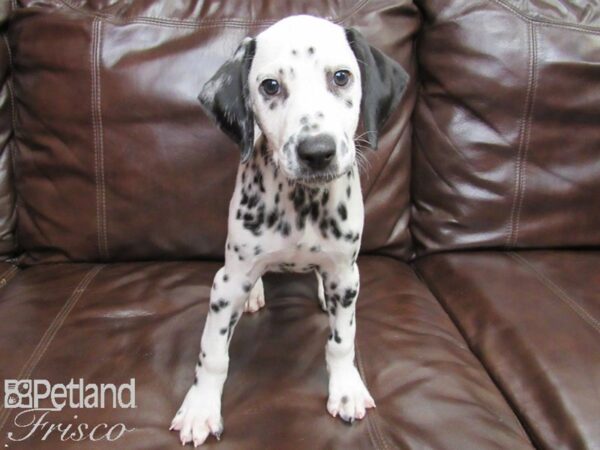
pixel 520 420
pixel 560 293
pixel 520 184
pixel 98 133
pixel 51 332
pixel 8 234
pixel 203 23
pixel 546 22
pixel 373 429
pixel 461 104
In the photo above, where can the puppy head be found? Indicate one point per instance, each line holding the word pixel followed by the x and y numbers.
pixel 303 83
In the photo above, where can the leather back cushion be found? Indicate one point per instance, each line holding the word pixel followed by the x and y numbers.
pixel 115 159
pixel 507 125
pixel 8 243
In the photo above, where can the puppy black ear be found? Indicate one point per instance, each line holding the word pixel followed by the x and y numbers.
pixel 225 98
pixel 383 83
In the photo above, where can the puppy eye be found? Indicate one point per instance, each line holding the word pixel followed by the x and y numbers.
pixel 341 77
pixel 270 86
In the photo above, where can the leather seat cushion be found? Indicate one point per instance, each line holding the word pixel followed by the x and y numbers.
pixel 110 323
pixel 533 319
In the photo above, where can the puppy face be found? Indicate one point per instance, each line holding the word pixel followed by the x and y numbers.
pixel 305 93
pixel 302 84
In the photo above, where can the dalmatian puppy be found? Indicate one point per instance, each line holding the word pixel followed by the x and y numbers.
pixel 291 98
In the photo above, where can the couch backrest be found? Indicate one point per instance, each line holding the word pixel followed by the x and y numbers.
pixel 114 157
pixel 507 125
pixel 8 244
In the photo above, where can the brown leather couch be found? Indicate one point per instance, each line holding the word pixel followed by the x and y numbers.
pixel 479 313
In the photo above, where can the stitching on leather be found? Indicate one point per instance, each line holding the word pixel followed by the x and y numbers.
pixel 98 134
pixel 526 144
pixel 559 292
pixel 524 133
pixel 547 22
pixel 51 332
pixel 101 127
pixel 202 23
pixel 8 275
pixel 373 429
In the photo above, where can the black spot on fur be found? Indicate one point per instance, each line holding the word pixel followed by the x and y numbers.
pixel 323 225
pixel 348 191
pixel 273 105
pixel 348 298
pixel 219 304
pixel 325 197
pixel 334 228
pixel 223 331
pixel 314 211
pixel 311 50
pixel 333 286
pixel 225 277
pixel 254 223
pixel 304 120
pixel 294 52
pixel 257 250
pixel 315 248
pixel 349 103
pixel 342 211
pixel 344 399
pixel 272 218
pixel 336 337
pixel 246 287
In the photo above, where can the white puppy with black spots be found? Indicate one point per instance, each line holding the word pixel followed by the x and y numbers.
pixel 291 98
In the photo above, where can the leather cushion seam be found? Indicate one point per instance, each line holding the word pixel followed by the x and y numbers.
pixel 546 22
pixel 524 133
pixel 560 293
pixel 98 136
pixel 202 23
pixel 50 333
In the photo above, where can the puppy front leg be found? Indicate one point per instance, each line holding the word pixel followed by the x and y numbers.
pixel 348 395
pixel 200 412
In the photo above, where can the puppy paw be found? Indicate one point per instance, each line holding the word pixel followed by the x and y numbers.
pixel 198 416
pixel 256 300
pixel 348 396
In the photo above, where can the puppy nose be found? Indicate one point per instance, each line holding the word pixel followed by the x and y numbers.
pixel 316 152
